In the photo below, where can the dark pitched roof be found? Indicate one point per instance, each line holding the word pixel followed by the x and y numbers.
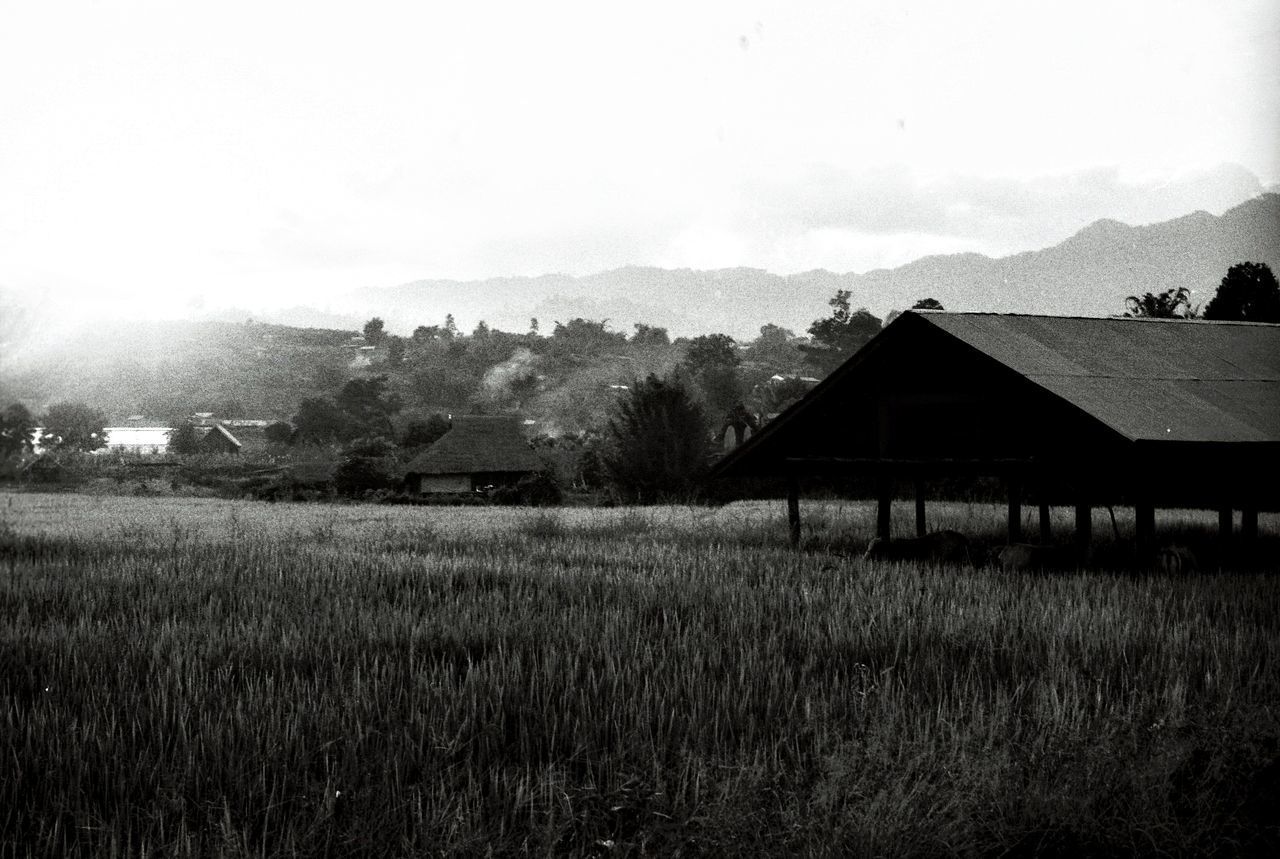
pixel 1147 379
pixel 220 433
pixel 477 445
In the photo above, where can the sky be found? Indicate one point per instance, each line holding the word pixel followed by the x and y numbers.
pixel 162 158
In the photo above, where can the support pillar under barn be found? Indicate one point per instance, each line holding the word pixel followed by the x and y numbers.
pixel 920 520
pixel 1144 524
pixel 1015 510
pixel 884 507
pixel 793 510
pixel 1084 526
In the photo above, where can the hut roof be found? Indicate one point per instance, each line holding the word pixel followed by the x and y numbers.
pixel 220 434
pixel 477 445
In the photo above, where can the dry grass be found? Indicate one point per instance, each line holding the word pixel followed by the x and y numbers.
pixel 203 677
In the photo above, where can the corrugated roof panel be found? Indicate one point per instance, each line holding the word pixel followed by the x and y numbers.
pixel 1149 380
pixel 1175 409
pixel 1120 348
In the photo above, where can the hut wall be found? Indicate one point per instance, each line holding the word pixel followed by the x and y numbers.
pixel 445 483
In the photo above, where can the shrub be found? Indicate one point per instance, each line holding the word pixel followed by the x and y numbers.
pixel 655 445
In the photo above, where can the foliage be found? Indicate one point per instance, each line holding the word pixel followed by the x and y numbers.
pixel 540 489
pixel 17 431
pixel 1170 304
pixel 368 465
pixel 584 337
pixel 928 304
pixel 183 439
pixel 395 351
pixel 710 350
pixel 840 335
pixel 320 421
pixel 711 364
pixel 279 432
pixel 773 397
pixel 420 433
pixel 650 335
pixel 1249 293
pixel 775 351
pixel 73 426
pixel 374 332
pixel 204 679
pixel 656 442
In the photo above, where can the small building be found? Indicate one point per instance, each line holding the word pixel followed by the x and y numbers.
pixel 217 439
pixel 476 453
pixel 143 441
pixel 1064 410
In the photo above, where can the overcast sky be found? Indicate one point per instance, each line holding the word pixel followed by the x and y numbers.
pixel 160 155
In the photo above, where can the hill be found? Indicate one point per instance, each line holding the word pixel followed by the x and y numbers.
pixel 1088 274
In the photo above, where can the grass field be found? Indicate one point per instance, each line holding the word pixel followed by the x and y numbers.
pixel 205 677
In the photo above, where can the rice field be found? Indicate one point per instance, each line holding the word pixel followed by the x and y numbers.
pixel 199 677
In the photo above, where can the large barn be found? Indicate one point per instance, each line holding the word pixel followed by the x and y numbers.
pixel 475 453
pixel 1067 411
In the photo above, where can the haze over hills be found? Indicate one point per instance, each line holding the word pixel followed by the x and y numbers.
pixel 1089 274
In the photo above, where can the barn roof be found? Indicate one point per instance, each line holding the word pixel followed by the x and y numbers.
pixel 1147 379
pixel 1215 384
pixel 477 445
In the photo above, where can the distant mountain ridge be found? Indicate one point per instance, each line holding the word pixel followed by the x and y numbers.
pixel 1088 274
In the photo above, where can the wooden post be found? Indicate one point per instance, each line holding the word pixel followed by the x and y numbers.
pixel 1015 509
pixel 1249 525
pixel 920 522
pixel 793 510
pixel 1084 526
pixel 1144 526
pixel 1046 527
pixel 884 507
pixel 1225 525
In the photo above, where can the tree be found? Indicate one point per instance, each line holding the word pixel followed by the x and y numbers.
pixel 586 337
pixel 73 426
pixel 450 327
pixel 368 464
pixel 320 421
pixel 710 350
pixel 1248 293
pixel 17 431
pixel 1170 304
pixel 655 443
pixel 775 350
pixel 928 304
pixel 374 332
pixel 650 335
pixel 183 439
pixel 711 362
pixel 367 405
pixel 840 334
pixel 395 351
pixel 278 433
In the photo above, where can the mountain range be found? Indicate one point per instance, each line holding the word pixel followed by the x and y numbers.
pixel 1089 274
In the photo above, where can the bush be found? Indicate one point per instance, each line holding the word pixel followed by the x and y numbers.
pixel 656 443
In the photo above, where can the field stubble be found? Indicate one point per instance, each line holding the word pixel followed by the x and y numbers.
pixel 202 677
